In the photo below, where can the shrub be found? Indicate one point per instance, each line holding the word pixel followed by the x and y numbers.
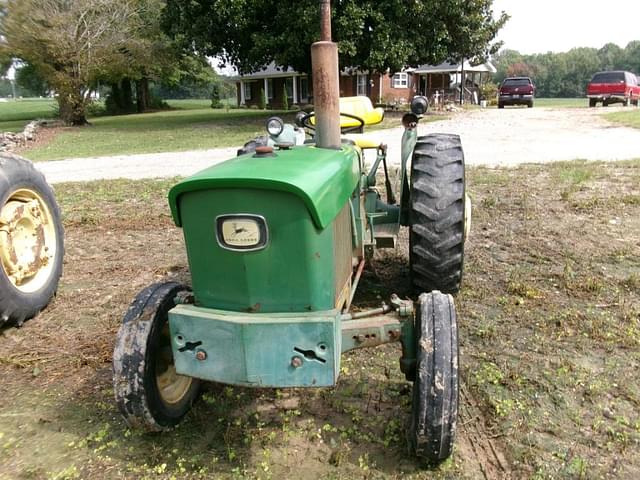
pixel 263 99
pixel 489 92
pixel 215 97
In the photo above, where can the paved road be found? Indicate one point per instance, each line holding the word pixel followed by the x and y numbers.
pixel 490 137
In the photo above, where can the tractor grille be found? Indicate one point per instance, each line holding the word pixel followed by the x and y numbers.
pixel 342 250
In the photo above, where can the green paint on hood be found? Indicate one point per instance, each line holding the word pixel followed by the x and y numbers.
pixel 323 179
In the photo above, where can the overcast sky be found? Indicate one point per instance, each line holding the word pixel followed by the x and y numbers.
pixel 559 25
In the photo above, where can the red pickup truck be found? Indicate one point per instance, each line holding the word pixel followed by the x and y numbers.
pixel 613 87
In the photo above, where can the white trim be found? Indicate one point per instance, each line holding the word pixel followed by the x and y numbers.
pixel 242 99
pixel 295 89
pixel 400 80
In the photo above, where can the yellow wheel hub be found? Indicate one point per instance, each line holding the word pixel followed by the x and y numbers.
pixel 171 386
pixel 28 240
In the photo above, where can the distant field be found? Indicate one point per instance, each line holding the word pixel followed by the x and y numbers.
pixel 15 114
pixel 561 102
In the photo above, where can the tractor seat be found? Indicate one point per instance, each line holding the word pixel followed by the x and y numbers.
pixel 359 107
pixel 363 141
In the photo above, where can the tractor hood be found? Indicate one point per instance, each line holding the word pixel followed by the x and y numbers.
pixel 323 179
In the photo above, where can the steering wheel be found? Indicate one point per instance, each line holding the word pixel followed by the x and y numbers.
pixel 306 123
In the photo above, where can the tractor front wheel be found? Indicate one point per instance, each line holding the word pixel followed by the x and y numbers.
pixel 149 392
pixel 434 410
pixel 31 241
pixel 440 214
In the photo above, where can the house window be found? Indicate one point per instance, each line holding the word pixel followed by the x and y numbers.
pixel 269 91
pixel 304 88
pixel 289 87
pixel 247 90
pixel 362 85
pixel 400 80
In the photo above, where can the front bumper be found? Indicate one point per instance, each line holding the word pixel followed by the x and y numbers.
pixel 257 350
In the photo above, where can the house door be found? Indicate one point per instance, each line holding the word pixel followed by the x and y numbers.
pixel 423 85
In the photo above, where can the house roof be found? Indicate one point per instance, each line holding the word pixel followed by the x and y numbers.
pixel 270 71
pixel 274 71
pixel 447 67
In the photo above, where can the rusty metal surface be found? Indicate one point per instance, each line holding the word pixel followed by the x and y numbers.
pixel 325 20
pixel 342 251
pixel 23 249
pixel 324 58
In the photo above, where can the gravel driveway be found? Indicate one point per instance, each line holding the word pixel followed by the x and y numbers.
pixel 489 137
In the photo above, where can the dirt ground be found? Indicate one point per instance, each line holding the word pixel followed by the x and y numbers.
pixel 550 341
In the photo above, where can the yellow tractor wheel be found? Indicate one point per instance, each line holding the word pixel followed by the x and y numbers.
pixel 31 241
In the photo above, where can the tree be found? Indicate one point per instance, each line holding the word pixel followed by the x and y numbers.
pixel 372 35
pixel 611 56
pixel 72 43
pixel 31 83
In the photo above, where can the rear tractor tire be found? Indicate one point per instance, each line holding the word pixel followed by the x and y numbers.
pixel 31 241
pixel 440 214
pixel 148 391
pixel 592 102
pixel 434 409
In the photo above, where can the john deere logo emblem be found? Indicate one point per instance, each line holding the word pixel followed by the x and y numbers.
pixel 241 232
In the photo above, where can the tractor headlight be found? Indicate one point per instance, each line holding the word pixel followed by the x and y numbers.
pixel 275 126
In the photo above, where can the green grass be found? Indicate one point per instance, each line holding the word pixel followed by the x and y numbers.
pixel 175 130
pixel 561 102
pixel 190 103
pixel 15 114
pixel 630 118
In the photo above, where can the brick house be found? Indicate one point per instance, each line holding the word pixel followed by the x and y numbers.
pixel 388 89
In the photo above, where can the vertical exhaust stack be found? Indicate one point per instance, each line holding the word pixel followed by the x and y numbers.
pixel 326 86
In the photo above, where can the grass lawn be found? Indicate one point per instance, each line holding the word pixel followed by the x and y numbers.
pixel 192 125
pixel 629 118
pixel 561 102
pixel 15 114
pixel 191 128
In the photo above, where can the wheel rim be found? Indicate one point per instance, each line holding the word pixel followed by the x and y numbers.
pixel 28 240
pixel 172 387
pixel 467 216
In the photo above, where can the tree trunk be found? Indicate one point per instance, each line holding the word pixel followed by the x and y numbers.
pixel 127 96
pixel 142 94
pixel 72 109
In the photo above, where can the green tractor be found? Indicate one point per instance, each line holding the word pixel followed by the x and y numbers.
pixel 277 240
pixel 31 241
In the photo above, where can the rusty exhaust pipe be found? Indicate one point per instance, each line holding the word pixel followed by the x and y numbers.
pixel 326 83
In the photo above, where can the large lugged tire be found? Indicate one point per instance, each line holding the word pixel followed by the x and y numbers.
pixel 31 241
pixel 434 410
pixel 439 211
pixel 149 393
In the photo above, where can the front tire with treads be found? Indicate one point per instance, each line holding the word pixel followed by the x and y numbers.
pixel 434 409
pixel 439 211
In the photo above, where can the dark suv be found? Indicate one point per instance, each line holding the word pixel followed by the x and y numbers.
pixel 516 91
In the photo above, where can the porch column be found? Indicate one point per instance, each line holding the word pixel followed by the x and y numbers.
pixel 295 90
pixel 266 90
pixel 242 99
